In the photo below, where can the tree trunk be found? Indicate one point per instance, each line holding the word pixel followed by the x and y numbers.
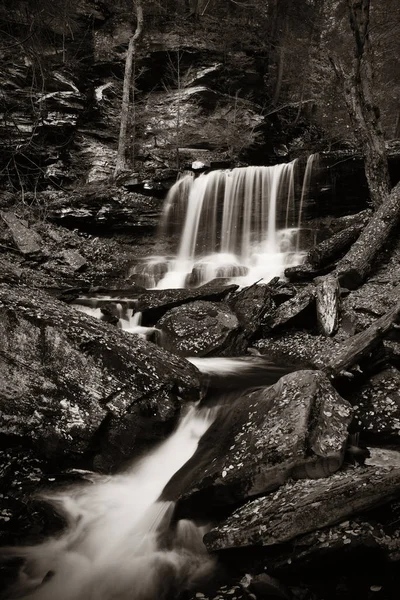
pixel 358 346
pixel 120 165
pixel 281 61
pixel 327 304
pixel 329 250
pixel 364 114
pixel 354 267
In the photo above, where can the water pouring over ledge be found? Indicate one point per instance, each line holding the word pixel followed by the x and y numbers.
pixel 242 224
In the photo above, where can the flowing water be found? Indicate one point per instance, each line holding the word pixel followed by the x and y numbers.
pixel 242 224
pixel 121 541
pixel 115 545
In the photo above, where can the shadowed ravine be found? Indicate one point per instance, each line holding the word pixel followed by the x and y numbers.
pixel 121 541
pixel 112 547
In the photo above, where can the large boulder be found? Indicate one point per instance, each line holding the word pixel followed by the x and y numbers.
pixel 296 428
pixel 198 329
pixel 153 304
pixel 73 386
pixel 303 506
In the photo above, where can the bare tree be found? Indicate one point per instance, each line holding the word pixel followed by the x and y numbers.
pixel 364 113
pixel 128 91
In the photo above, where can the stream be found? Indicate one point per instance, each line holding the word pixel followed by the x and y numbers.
pixel 121 541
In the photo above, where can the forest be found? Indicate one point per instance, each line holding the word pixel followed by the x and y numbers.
pixel 199 299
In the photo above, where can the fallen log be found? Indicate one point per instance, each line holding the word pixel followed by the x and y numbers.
pixel 354 267
pixel 334 247
pixel 306 272
pixel 350 352
pixel 341 223
pixel 328 304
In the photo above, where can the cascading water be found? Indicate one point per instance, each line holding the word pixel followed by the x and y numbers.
pixel 112 548
pixel 239 224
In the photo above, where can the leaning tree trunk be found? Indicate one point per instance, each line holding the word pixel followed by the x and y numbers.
pixel 363 112
pixel 120 165
pixel 354 267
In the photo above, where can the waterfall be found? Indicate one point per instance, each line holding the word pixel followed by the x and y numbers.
pixel 240 224
pixel 112 547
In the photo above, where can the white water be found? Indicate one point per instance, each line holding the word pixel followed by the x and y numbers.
pixel 129 319
pixel 242 224
pixel 111 547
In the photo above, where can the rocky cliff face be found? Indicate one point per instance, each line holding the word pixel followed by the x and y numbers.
pixel 61 91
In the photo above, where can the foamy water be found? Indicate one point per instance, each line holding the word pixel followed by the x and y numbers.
pixel 243 224
pixel 112 548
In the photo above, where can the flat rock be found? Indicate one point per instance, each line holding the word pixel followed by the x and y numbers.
pixel 296 428
pixel 26 239
pixel 73 385
pixel 198 328
pixel 303 506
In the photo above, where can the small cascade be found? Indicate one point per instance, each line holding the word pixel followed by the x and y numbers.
pixel 133 325
pixel 118 311
pixel 241 224
pixel 113 546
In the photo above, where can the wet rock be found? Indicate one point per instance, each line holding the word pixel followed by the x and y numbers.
pixel 296 428
pixel 198 329
pixel 153 304
pixel 377 407
pixel 70 380
pixel 27 240
pixel 303 506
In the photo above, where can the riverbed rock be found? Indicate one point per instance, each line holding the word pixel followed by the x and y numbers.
pixel 198 329
pixel 303 506
pixel 294 429
pixel 71 381
pixel 153 304
pixel 251 305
